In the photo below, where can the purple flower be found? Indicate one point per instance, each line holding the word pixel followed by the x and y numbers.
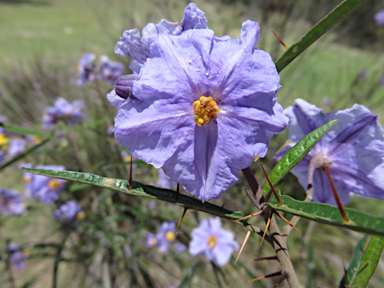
pixel 16 146
pixel 163 181
pixel 86 69
pixel 42 187
pixel 110 70
pixel 70 211
pixel 180 247
pixel 353 150
pixel 363 74
pixel 151 204
pixel 17 258
pixel 2 157
pixel 381 82
pixel 110 130
pixel 203 107
pixel 379 18
pixel 11 202
pixel 151 240
pixel 114 99
pixel 64 111
pixel 215 242
pixel 163 238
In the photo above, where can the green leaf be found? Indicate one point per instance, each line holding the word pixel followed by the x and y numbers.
pixel 24 131
pixel 142 190
pixel 337 14
pixel 295 154
pixel 330 215
pixel 365 259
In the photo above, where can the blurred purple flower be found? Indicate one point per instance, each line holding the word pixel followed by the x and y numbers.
pixel 16 146
pixel 151 240
pixel 215 242
pixel 152 204
pixel 110 130
pixel 69 211
pixel 163 238
pixel 64 111
pixel 180 247
pixel 110 70
pixel 363 74
pixel 42 187
pixel 381 82
pixel 203 107
pixel 379 18
pixel 2 157
pixel 86 69
pixel 11 202
pixel 163 181
pixel 17 258
pixel 353 150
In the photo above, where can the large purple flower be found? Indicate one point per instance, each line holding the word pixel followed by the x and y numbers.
pixel 64 111
pixel 353 150
pixel 202 107
pixel 215 242
pixel 42 187
pixel 11 202
pixel 69 211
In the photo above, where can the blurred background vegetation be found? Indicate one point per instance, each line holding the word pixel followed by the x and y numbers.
pixel 41 42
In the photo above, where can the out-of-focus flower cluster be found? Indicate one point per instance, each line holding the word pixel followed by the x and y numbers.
pixel 163 238
pixel 64 111
pixel 17 257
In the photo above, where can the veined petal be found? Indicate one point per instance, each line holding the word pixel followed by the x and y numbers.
pixel 194 18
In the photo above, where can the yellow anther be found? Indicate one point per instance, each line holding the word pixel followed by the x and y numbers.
pixel 27 251
pixel 27 179
pixel 80 215
pixel 205 110
pixel 36 140
pixel 153 241
pixel 4 141
pixel 170 236
pixel 212 241
pixel 79 68
pixel 54 184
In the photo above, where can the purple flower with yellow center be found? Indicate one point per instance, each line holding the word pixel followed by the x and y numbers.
pixel 215 242
pixel 151 240
pixel 17 258
pixel 379 18
pixel 202 107
pixel 353 150
pixel 69 211
pixel 42 187
pixel 86 69
pixel 163 238
pixel 11 202
pixel 62 110
pixel 110 70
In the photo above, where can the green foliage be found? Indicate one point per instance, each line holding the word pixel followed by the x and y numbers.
pixel 330 215
pixel 296 153
pixel 365 259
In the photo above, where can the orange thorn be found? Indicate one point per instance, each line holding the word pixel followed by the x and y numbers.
pixel 281 41
pixel 249 216
pixel 289 223
pixel 272 187
pixel 181 219
pixel 266 227
pixel 177 193
pixel 267 276
pixel 130 174
pixel 242 245
pixel 343 214
pixel 264 258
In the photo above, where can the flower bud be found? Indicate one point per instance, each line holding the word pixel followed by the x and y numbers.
pixel 123 85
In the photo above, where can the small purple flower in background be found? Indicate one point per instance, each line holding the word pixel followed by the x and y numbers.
pixel 17 258
pixel 326 103
pixel 42 187
pixel 381 82
pixel 69 211
pixel 151 240
pixel 379 18
pixel 203 107
pixel 2 157
pixel 64 111
pixel 11 202
pixel 152 204
pixel 110 70
pixel 163 238
pixel 163 181
pixel 353 150
pixel 215 242
pixel 180 247
pixel 16 146
pixel 363 74
pixel 86 69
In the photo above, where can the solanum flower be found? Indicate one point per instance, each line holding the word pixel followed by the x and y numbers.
pixel 353 150
pixel 110 70
pixel 163 181
pixel 16 146
pixel 16 257
pixel 11 202
pixel 163 238
pixel 86 69
pixel 64 111
pixel 215 242
pixel 202 107
pixel 69 211
pixel 379 18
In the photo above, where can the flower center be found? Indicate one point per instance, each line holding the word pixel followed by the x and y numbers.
pixel 212 240
pixel 205 110
pixel 153 241
pixel 54 184
pixel 3 141
pixel 170 236
pixel 80 215
pixel 27 179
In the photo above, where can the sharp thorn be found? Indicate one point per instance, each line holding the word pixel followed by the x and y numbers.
pixel 222 207
pixel 181 219
pixel 177 193
pixel 281 41
pixel 266 227
pixel 242 245
pixel 272 187
pixel 253 200
pixel 249 216
pixel 264 258
pixel 267 276
pixel 286 221
pixel 282 278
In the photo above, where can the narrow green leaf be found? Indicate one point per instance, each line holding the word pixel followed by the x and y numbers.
pixel 337 14
pixel 139 189
pixel 24 131
pixel 24 154
pixel 296 153
pixel 327 214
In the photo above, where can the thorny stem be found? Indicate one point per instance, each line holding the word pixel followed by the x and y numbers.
pixel 252 182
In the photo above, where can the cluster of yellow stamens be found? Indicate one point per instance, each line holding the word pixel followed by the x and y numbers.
pixel 80 215
pixel 205 110
pixel 4 141
pixel 54 184
pixel 170 236
pixel 212 240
